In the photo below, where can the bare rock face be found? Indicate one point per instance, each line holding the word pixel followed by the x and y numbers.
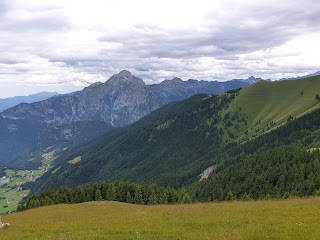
pixel 121 100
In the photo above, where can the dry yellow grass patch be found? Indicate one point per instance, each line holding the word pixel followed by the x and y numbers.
pixel 75 160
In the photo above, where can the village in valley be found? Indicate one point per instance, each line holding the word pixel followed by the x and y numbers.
pixel 12 189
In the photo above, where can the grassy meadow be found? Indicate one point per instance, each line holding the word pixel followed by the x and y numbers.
pixel 10 192
pixel 268 105
pixel 275 219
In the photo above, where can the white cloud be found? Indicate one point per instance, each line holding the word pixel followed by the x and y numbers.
pixel 57 42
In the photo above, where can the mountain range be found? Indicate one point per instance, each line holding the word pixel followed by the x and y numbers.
pixel 123 130
pixel 295 78
pixel 121 100
pixel 248 138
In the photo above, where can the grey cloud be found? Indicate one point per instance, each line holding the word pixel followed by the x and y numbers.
pixel 224 37
pixel 40 18
pixel 154 53
pixel 39 24
pixel 9 61
pixel 3 7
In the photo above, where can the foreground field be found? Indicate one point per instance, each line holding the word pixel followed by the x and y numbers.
pixel 287 219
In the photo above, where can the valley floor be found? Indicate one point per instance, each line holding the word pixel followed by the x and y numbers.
pixel 278 219
pixel 12 190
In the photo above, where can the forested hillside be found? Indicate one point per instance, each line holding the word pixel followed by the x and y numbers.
pixel 171 138
pixel 58 139
pixel 175 144
pixel 121 100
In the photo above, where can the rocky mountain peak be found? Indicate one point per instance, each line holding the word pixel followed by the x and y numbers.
pixel 176 79
pixel 124 77
pixel 124 73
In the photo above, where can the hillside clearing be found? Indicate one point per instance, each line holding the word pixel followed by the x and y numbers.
pixel 281 219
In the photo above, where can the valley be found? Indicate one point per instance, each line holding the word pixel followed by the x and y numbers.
pixel 272 219
pixel 12 189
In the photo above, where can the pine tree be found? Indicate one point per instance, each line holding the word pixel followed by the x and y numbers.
pixel 129 198
pixel 152 198
pixel 97 195
pixel 138 195
pixel 21 207
pixel 230 196
pixel 186 198
pixel 111 194
pixel 163 199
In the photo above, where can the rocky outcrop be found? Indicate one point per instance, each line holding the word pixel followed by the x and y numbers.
pixel 121 100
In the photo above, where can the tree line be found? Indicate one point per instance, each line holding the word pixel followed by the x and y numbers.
pixel 120 191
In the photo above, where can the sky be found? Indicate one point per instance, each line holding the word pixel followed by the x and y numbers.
pixel 65 45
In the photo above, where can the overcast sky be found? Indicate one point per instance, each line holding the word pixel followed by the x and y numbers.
pixel 64 45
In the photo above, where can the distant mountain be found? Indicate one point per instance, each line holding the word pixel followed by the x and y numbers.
pixel 251 80
pixel 309 75
pixel 6 103
pixel 177 89
pixel 173 145
pixel 121 100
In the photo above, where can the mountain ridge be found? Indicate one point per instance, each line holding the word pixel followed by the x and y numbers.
pixel 121 100
pixel 6 103
pixel 175 143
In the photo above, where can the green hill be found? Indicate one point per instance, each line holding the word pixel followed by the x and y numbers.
pixel 267 105
pixel 286 219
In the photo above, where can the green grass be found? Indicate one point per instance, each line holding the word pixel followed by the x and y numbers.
pixel 266 102
pixel 281 219
pixel 9 193
pixel 9 197
pixel 12 198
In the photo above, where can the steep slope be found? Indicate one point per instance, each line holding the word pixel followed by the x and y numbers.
pixel 121 100
pixel 58 139
pixel 155 148
pixel 174 144
pixel 281 163
pixel 15 136
pixel 6 103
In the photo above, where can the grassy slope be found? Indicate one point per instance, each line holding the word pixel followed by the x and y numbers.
pixel 283 219
pixel 266 102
